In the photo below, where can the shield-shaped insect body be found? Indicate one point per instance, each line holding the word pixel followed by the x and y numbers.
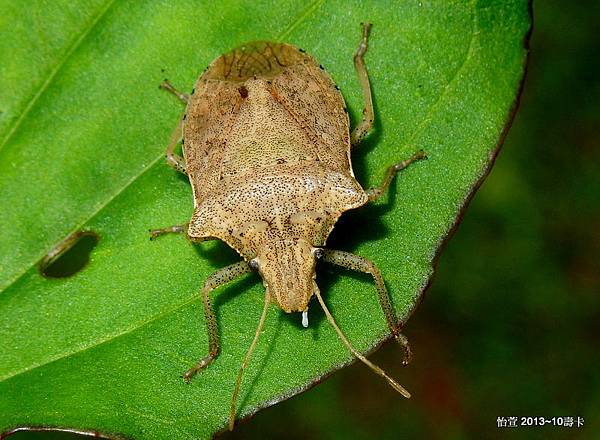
pixel 266 147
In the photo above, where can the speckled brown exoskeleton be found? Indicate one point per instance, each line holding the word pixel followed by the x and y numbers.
pixel 266 146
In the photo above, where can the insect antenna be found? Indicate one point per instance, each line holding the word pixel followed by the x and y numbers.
pixel 395 385
pixel 238 382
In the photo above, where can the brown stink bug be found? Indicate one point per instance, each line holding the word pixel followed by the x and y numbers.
pixel 267 151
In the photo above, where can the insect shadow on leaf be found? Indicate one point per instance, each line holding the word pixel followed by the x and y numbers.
pixel 70 255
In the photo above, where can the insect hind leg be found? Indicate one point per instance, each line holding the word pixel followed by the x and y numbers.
pixel 376 191
pixel 361 130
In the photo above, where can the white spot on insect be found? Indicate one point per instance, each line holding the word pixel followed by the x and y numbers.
pixel 305 319
pixel 254 263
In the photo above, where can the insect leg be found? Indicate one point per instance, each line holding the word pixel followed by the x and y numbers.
pixel 175 229
pixel 360 264
pixel 220 277
pixel 173 159
pixel 366 123
pixel 377 191
pixel 169 87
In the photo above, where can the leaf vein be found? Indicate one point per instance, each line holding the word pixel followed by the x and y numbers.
pixel 53 73
pixel 109 338
pixel 316 4
pixel 433 109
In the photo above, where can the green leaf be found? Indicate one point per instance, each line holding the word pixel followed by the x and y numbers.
pixel 83 128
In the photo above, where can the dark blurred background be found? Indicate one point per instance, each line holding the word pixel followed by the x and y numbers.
pixel 510 324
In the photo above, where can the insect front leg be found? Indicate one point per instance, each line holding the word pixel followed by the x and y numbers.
pixel 360 264
pixel 173 159
pixel 169 87
pixel 368 114
pixel 377 191
pixel 175 229
pixel 220 277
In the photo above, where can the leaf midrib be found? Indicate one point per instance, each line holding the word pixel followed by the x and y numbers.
pixel 165 312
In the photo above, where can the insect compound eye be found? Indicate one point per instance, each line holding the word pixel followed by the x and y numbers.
pixel 318 253
pixel 253 264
